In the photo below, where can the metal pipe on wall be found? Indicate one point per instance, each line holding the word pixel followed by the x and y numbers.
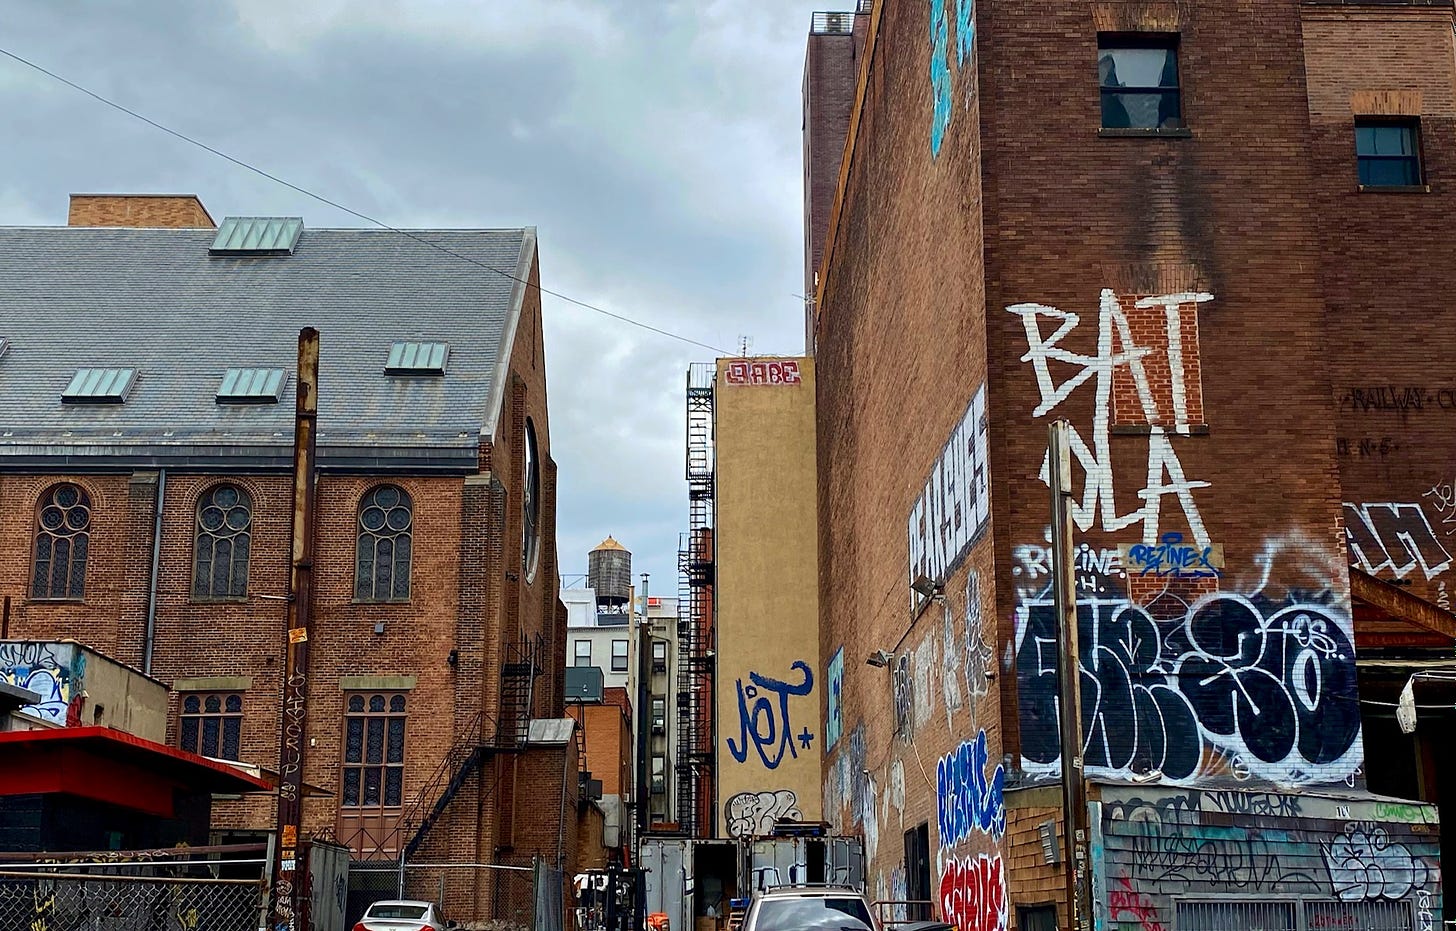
pixel 149 639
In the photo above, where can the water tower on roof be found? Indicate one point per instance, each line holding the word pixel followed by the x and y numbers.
pixel 609 571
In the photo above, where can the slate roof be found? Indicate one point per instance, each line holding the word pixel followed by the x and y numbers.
pixel 154 300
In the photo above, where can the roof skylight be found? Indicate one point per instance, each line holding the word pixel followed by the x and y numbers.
pixel 257 236
pixel 416 359
pixel 99 386
pixel 252 386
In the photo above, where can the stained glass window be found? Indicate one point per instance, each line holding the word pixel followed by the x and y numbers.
pixel 374 751
pixel 382 559
pixel 211 724
pixel 62 539
pixel 223 543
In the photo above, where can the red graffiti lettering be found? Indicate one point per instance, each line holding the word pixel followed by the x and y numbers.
pixel 1126 902
pixel 772 372
pixel 973 893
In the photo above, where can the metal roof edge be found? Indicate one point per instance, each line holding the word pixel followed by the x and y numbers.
pixel 447 460
pixel 508 333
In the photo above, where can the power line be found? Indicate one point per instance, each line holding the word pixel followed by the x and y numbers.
pixel 354 213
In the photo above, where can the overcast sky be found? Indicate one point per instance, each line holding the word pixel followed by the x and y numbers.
pixel 655 144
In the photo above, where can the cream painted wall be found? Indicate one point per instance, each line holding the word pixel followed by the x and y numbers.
pixel 770 739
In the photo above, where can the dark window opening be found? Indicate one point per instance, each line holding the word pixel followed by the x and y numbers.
pixel 1388 153
pixel 917 872
pixel 212 725
pixel 1138 81
pixel 1037 918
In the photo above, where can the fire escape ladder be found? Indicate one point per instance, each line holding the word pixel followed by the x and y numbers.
pixel 695 611
pixel 518 685
pixel 463 758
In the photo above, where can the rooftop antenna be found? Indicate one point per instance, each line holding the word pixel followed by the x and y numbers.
pixel 744 344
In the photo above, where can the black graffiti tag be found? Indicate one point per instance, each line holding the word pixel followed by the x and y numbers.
pixel 1272 685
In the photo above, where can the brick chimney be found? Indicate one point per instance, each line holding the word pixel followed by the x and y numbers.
pixel 155 211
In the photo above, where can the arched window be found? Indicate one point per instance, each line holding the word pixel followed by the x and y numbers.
pixel 62 539
pixel 531 505
pixel 223 542
pixel 382 560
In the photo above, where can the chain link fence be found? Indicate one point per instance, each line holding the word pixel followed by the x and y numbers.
pixel 78 902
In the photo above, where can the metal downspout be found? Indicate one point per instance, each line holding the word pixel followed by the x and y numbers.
pixel 149 640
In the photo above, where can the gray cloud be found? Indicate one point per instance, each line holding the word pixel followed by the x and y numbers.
pixel 654 144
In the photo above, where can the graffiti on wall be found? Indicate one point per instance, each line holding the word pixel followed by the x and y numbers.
pixel 1164 481
pixel 980 659
pixel 1171 558
pixel 973 893
pixel 1395 538
pixel 903 685
pixel 1166 847
pixel 969 796
pixel 941 60
pixel 754 814
pixel 54 671
pixel 970 802
pixel 766 725
pixel 1160 845
pixel 763 372
pixel 833 720
pixel 1126 903
pixel 1364 863
pixel 955 504
pixel 1246 685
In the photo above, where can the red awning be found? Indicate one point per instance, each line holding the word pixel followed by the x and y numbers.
pixel 111 766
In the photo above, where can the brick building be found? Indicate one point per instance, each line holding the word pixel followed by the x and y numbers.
pixel 147 378
pixel 1211 237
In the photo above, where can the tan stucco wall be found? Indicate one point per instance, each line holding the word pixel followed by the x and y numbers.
pixel 132 702
pixel 767 601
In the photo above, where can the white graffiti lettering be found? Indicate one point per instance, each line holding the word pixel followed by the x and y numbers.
pixel 1165 477
pixel 955 505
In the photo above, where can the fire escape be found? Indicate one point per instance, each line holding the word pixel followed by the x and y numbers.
pixel 398 838
pixel 695 614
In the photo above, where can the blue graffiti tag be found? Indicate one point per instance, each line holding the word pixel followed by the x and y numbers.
pixel 940 88
pixel 1173 558
pixel 967 799
pixel 965 29
pixel 833 724
pixel 767 727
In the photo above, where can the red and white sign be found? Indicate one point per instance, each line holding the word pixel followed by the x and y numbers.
pixel 763 372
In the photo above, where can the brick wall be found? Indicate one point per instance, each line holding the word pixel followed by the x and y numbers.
pixel 831 68
pixel 175 211
pixel 1387 288
pixel 1207 485
pixel 468 593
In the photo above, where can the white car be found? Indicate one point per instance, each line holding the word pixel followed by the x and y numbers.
pixel 810 908
pixel 403 915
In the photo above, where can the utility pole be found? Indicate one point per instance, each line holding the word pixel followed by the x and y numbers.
pixel 1064 591
pixel 285 895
